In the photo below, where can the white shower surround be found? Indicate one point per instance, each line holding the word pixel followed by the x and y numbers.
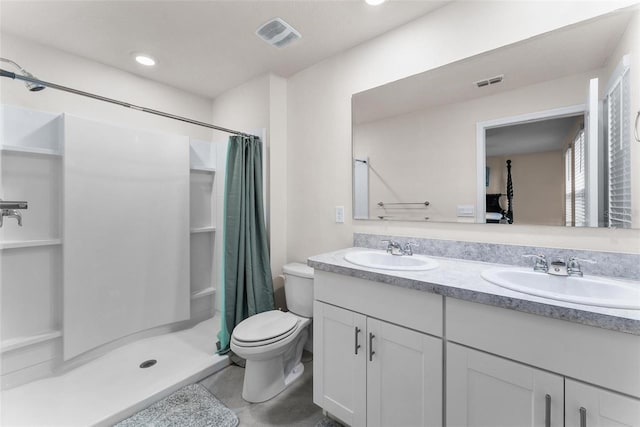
pixel 32 157
pixel 125 232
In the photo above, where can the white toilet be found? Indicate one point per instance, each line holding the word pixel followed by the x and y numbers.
pixel 272 342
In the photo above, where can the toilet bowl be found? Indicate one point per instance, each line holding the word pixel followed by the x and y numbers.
pixel 272 342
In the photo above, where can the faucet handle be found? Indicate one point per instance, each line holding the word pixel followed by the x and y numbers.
pixel 390 244
pixel 393 247
pixel 408 247
pixel 540 262
pixel 573 265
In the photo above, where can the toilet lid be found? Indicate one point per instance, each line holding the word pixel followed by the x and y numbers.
pixel 298 269
pixel 265 326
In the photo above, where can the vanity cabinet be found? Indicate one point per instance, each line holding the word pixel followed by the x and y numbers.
pixel 374 373
pixel 368 371
pixel 379 350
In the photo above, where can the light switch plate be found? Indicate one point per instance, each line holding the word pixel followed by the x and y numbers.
pixel 340 214
pixel 466 210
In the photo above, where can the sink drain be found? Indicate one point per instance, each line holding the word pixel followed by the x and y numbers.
pixel 148 363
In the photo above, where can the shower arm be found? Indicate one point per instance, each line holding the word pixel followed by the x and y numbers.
pixel 33 80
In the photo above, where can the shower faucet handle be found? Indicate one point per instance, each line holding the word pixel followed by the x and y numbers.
pixel 11 213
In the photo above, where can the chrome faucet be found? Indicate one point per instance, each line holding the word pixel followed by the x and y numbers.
pixel 395 248
pixel 11 213
pixel 558 267
pixel 540 262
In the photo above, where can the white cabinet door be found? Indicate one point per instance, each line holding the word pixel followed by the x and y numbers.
pixel 589 406
pixel 339 369
pixel 485 390
pixel 404 377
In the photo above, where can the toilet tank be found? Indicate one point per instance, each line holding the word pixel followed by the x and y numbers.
pixel 298 288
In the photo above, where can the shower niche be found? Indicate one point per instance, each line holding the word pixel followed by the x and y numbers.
pixel 31 255
pixel 204 183
pixel 49 263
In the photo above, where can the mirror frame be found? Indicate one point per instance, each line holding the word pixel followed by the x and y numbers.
pixel 481 158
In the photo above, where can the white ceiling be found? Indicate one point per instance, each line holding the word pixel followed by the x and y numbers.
pixel 531 137
pixel 205 47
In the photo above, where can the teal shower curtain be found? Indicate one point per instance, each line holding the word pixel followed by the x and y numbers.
pixel 246 275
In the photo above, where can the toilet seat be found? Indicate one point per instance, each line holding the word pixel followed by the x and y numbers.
pixel 265 328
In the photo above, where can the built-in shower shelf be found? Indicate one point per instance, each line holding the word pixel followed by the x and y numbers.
pixel 203 230
pixel 203 293
pixel 29 243
pixel 31 150
pixel 21 342
pixel 202 169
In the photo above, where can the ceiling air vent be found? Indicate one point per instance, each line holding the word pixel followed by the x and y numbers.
pixel 278 33
pixel 489 81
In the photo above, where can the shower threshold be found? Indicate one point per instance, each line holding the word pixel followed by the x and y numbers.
pixel 113 387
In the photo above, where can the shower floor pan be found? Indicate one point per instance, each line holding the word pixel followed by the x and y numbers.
pixel 113 386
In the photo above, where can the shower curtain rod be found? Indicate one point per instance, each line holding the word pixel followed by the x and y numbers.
pixel 14 76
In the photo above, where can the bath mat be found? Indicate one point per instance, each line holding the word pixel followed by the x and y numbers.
pixel 327 422
pixel 191 406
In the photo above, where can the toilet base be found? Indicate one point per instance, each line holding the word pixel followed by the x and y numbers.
pixel 271 382
pixel 263 380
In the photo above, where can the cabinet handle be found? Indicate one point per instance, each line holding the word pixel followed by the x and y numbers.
pixel 583 417
pixel 356 336
pixel 547 410
pixel 371 352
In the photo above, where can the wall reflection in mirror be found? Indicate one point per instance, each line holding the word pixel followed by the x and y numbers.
pixel 558 109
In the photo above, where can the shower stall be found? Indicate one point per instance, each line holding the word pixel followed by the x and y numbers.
pixel 114 266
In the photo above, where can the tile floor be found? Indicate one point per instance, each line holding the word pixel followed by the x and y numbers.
pixel 292 407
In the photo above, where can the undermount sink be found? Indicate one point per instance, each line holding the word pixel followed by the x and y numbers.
pixel 386 261
pixel 588 290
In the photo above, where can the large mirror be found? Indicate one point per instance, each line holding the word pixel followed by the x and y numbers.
pixel 540 133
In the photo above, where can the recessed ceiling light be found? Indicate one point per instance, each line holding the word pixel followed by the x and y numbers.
pixel 145 60
pixel 374 2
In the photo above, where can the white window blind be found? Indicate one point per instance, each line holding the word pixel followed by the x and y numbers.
pixel 568 187
pixel 579 181
pixel 619 146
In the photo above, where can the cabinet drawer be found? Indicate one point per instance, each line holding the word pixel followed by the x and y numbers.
pixel 594 355
pixel 413 309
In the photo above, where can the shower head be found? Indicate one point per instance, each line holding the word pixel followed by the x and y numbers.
pixel 32 86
